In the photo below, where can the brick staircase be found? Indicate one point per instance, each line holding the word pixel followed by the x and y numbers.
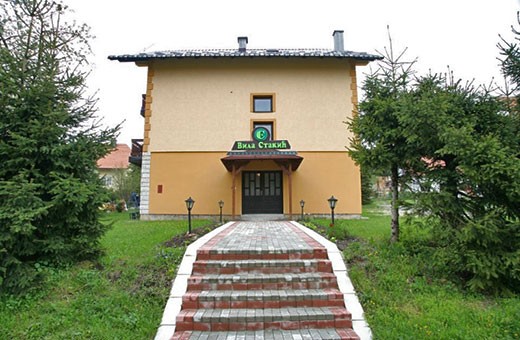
pixel 262 293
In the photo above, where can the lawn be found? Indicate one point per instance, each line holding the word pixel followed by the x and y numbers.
pixel 120 297
pixel 123 295
pixel 401 298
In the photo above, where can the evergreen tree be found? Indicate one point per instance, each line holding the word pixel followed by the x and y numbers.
pixel 470 174
pixel 367 190
pixel 49 143
pixel 510 56
pixel 510 63
pixel 379 143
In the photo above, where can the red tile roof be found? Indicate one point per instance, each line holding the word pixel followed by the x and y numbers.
pixel 116 159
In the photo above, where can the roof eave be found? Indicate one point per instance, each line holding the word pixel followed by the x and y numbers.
pixel 142 60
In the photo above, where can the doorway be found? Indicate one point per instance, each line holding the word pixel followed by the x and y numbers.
pixel 262 192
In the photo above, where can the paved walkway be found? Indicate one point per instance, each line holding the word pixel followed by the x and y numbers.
pixel 263 280
pixel 268 238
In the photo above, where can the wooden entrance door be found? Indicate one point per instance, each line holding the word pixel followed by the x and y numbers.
pixel 262 192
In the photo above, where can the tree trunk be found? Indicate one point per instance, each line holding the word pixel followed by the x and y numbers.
pixel 395 204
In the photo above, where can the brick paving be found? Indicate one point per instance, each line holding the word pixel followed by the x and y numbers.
pixel 262 280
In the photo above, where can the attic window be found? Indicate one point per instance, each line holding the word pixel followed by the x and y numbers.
pixel 262 103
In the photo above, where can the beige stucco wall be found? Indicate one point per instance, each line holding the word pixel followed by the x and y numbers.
pixel 202 176
pixel 204 105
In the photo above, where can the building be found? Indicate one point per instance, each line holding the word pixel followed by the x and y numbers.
pixel 260 129
pixel 113 163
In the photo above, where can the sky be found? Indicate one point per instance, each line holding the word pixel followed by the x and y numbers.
pixel 461 34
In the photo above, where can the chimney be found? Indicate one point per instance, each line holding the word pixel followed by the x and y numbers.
pixel 338 40
pixel 242 43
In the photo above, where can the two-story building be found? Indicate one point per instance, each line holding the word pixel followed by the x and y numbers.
pixel 259 129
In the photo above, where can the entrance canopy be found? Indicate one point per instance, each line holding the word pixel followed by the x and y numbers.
pixel 238 159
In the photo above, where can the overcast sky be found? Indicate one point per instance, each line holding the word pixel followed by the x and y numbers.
pixel 460 33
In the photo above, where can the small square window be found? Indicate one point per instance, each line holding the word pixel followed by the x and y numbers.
pixel 262 103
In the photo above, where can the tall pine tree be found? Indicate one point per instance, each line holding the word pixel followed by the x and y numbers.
pixel 379 144
pixel 49 143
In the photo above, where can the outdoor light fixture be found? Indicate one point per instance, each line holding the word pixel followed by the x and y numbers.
pixel 221 205
pixel 302 204
pixel 189 205
pixel 332 203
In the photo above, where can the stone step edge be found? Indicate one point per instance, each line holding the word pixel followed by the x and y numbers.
pixel 263 304
pixel 256 319
pixel 262 266
pixel 257 270
pixel 263 315
pixel 262 255
pixel 257 251
pixel 323 284
pixel 300 334
pixel 258 325
pixel 260 278
pixel 260 263
pixel 265 299
pixel 262 282
pixel 267 295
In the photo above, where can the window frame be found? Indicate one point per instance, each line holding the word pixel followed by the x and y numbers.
pixel 254 96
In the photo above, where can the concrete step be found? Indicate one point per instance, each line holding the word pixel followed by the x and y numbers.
pixel 249 281
pixel 207 253
pixel 216 320
pixel 272 334
pixel 261 266
pixel 262 298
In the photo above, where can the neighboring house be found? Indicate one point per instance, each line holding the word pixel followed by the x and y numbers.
pixel 260 129
pixel 112 164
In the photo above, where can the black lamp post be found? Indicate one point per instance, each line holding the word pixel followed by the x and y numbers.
pixel 221 205
pixel 189 205
pixel 332 203
pixel 302 204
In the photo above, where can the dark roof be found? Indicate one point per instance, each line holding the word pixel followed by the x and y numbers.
pixel 249 53
pixel 240 158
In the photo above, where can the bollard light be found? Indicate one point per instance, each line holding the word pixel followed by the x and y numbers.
pixel 221 205
pixel 302 204
pixel 189 205
pixel 332 204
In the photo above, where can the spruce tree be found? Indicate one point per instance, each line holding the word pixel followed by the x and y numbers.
pixel 470 178
pixel 379 144
pixel 49 143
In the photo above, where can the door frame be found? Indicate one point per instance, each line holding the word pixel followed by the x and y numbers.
pixel 263 198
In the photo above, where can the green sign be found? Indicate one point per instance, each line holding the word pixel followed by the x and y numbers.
pixel 261 145
pixel 261 134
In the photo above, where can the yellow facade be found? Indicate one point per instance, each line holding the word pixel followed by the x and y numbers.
pixel 197 108
pixel 202 176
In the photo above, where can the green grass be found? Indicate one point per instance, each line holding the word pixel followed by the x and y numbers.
pixel 123 295
pixel 120 297
pixel 403 299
